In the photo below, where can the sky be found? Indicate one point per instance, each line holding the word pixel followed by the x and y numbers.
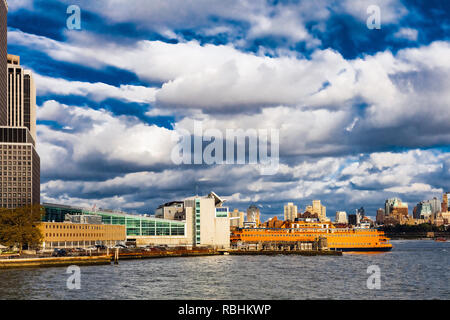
pixel 362 113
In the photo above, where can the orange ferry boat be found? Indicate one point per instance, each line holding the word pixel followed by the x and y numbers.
pixel 340 239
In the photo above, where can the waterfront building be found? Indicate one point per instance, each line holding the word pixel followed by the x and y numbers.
pixel 140 229
pixel 3 62
pixel 210 220
pixel 80 235
pixel 341 217
pixel 237 219
pixel 254 215
pixel 206 223
pixel 290 212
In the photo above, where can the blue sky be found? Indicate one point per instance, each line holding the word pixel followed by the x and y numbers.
pixel 362 113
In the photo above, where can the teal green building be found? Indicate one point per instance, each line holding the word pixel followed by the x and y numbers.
pixel 136 224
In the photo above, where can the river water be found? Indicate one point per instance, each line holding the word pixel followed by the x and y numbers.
pixel 414 269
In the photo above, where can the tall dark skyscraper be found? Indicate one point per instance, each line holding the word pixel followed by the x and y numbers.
pixel 19 161
pixel 3 67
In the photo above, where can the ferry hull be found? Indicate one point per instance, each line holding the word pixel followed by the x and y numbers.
pixel 374 249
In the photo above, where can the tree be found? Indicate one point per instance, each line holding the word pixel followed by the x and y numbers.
pixel 19 226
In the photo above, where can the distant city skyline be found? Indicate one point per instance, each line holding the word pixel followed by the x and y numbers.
pixel 361 113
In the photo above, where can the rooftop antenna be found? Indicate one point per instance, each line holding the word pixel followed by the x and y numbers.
pixel 196 190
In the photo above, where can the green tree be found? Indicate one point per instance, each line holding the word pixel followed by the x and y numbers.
pixel 19 226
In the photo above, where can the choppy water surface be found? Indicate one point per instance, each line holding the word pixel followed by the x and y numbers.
pixel 414 269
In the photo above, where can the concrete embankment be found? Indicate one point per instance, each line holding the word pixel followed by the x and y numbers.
pixel 285 252
pixel 54 262
pixel 164 254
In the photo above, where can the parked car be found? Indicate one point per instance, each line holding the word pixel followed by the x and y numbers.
pixel 119 246
pixel 59 253
pixel 100 246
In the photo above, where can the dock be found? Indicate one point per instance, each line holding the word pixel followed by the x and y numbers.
pixel 165 254
pixel 54 262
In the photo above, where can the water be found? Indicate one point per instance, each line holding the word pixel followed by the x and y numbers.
pixel 414 269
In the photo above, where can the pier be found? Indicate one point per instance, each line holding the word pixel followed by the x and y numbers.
pixel 54 262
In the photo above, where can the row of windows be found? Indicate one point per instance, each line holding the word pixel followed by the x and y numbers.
pixel 302 235
pixel 19 163
pixel 16 195
pixel 12 205
pixel 19 170
pixel 155 231
pixel 13 178
pixel 65 235
pixel 11 175
pixel 24 157
pixel 15 190
pixel 14 147
pixel 15 184
pixel 71 226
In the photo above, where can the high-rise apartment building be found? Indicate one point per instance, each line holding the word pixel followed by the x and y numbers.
pixel 3 67
pixel 444 206
pixel 290 212
pixel 380 216
pixel 318 209
pixel 21 111
pixel 237 219
pixel 253 215
pixel 341 217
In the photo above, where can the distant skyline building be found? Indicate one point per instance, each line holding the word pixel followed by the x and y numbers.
pixel 341 217
pixel 237 218
pixel 290 211
pixel 444 205
pixel 253 214
pixel 3 62
pixel 318 209
pixel 395 204
pixel 380 216
pixel 354 219
pixel 425 209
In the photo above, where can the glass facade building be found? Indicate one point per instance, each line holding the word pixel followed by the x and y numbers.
pixel 136 225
